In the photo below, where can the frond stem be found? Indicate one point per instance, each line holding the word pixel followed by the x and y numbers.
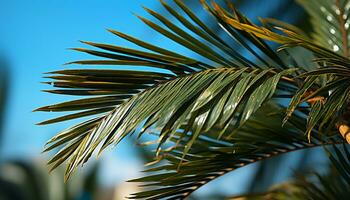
pixel 343 29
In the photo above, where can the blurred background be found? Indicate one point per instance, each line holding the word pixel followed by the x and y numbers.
pixel 35 36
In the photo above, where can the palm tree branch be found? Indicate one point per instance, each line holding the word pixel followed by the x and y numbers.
pixel 208 160
pixel 205 95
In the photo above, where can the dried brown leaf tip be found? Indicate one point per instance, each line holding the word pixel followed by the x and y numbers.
pixel 315 99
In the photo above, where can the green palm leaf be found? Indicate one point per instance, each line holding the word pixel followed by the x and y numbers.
pixel 262 137
pixel 329 83
pixel 202 100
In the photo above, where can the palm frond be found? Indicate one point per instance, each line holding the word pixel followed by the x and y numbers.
pixel 326 91
pixel 262 137
pixel 314 186
pixel 329 102
pixel 330 20
pixel 280 34
pixel 202 100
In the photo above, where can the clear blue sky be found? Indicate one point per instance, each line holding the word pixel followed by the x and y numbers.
pixel 34 39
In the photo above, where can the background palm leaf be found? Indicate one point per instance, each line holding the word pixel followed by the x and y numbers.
pixel 333 185
pixel 332 32
pixel 260 138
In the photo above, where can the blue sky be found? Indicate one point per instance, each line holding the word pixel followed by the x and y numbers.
pixel 34 39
